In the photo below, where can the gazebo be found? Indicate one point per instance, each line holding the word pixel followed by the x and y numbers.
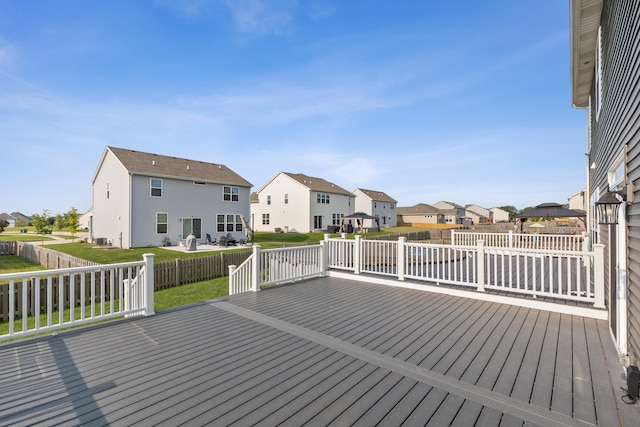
pixel 360 217
pixel 549 211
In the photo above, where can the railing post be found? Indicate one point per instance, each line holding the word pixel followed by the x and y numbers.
pixel 453 236
pixel 149 284
pixel 324 258
pixel 400 258
pixel 327 236
pixel 232 279
pixel 255 269
pixel 510 239
pixel 598 275
pixel 357 246
pixel 480 264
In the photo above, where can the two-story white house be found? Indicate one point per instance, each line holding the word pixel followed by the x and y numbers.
pixel 294 202
pixel 144 199
pixel 378 204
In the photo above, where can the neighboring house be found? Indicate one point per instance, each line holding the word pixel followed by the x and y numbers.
pixel 20 220
pixel 11 221
pixel 378 204
pixel 578 201
pixel 499 215
pixel 605 80
pixel 453 213
pixel 421 213
pixel 478 214
pixel 83 220
pixel 294 202
pixel 143 199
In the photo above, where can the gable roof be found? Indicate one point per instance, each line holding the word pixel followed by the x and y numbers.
pixel 551 210
pixel 378 196
pixel 317 184
pixel 451 205
pixel 149 164
pixel 419 209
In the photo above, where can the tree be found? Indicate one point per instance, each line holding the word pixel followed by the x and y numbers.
pixel 73 221
pixel 41 222
pixel 59 222
pixel 3 223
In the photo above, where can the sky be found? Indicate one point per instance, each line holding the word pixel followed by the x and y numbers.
pixel 459 100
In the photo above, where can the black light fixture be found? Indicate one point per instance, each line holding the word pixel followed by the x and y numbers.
pixel 608 207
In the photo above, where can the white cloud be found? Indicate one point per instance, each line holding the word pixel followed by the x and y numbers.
pixel 261 17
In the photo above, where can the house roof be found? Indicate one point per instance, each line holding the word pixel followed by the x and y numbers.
pixel 6 216
pixel 21 216
pixel 141 163
pixel 419 209
pixel 451 205
pixel 585 21
pixel 378 196
pixel 317 184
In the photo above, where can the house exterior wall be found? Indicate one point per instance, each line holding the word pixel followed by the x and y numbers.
pixel 500 215
pixel 340 204
pixel 384 210
pixel 614 134
pixel 422 219
pixel 292 216
pixel 182 199
pixel 111 203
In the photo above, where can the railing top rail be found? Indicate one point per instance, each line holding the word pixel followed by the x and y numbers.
pixel 291 248
pixel 56 272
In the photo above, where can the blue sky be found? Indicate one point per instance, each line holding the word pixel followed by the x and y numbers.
pixel 456 100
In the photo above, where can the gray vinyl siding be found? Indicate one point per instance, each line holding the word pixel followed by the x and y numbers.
pixel 617 125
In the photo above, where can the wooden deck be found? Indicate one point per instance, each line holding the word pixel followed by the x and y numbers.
pixel 318 352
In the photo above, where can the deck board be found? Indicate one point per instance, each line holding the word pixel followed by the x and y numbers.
pixel 492 364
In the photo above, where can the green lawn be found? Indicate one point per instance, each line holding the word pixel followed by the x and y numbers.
pixel 16 264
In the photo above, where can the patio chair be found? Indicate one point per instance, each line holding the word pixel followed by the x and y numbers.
pixel 223 241
pixel 230 240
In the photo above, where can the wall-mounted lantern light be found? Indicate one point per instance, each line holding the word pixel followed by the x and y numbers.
pixel 608 207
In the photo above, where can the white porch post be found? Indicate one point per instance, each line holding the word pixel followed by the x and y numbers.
pixel 400 257
pixel 480 264
pixel 357 259
pixel 598 275
pixel 510 239
pixel 324 258
pixel 149 284
pixel 232 279
pixel 453 236
pixel 255 269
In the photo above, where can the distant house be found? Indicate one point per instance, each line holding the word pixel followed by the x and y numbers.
pixel 605 80
pixel 11 221
pixel 478 214
pixel 378 204
pixel 453 212
pixel 499 215
pixel 143 199
pixel 294 202
pixel 579 201
pixel 421 213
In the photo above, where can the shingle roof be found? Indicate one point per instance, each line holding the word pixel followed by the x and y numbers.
pixel 419 209
pixel 317 184
pixel 378 196
pixel 142 163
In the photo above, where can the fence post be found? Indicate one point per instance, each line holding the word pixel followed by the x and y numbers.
pixel 510 239
pixel 255 269
pixel 598 275
pixel 480 264
pixel 357 246
pixel 453 236
pixel 400 258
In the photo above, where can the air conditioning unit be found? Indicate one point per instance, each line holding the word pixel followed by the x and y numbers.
pixel 633 382
pixel 101 241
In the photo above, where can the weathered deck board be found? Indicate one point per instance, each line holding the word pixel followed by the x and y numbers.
pixel 337 351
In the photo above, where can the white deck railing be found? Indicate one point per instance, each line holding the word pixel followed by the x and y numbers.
pixel 563 242
pixel 275 266
pixel 570 275
pixel 48 300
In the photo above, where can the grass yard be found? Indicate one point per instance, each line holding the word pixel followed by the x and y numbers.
pixel 16 264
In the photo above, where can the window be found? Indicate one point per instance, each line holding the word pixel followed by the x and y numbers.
pixel 265 219
pixel 162 222
pixel 156 187
pixel 375 205
pixel 203 184
pixel 391 206
pixel 228 223
pixel 286 199
pixel 322 198
pixel 230 194
pixel 317 222
pixel 615 175
pixel 335 218
pixel 107 190
pixel 192 226
pixel 268 200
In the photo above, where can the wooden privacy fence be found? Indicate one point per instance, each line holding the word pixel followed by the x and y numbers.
pixel 50 258
pixel 7 248
pixel 182 271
